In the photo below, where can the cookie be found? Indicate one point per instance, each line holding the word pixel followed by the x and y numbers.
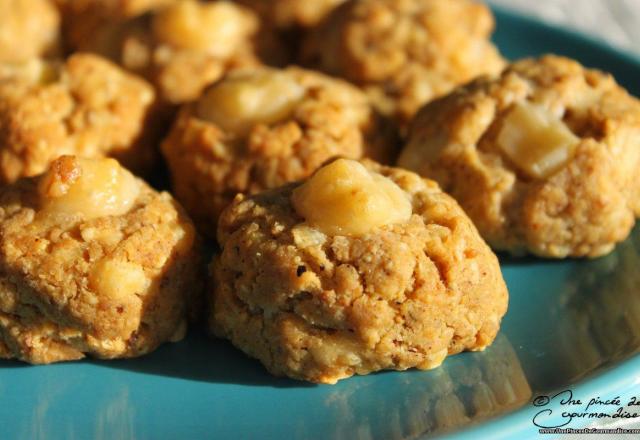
pixel 86 106
pixel 92 262
pixel 181 46
pixel 261 128
pixel 358 269
pixel 405 52
pixel 28 29
pixel 542 157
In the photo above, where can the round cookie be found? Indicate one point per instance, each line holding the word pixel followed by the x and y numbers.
pixel 86 106
pixel 261 128
pixel 92 262
pixel 406 281
pixel 543 158
pixel 28 29
pixel 405 52
pixel 181 46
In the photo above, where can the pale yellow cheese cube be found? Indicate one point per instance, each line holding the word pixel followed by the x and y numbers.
pixel 535 140
pixel 344 198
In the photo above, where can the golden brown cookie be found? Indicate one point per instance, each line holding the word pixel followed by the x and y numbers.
pixel 92 262
pixel 359 269
pixel 28 29
pixel 543 158
pixel 405 52
pixel 258 129
pixel 181 46
pixel 86 106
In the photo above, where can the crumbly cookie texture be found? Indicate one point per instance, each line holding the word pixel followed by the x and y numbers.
pixel 86 106
pixel 28 29
pixel 289 14
pixel 405 52
pixel 262 128
pixel 181 46
pixel 543 158
pixel 323 307
pixel 92 262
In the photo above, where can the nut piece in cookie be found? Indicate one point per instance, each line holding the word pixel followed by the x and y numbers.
pixel 92 262
pixel 405 52
pixel 543 157
pixel 320 297
pixel 262 128
pixel 28 29
pixel 181 46
pixel 86 106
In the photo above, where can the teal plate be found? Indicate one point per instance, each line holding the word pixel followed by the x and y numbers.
pixel 571 325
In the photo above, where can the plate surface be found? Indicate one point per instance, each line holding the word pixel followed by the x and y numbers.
pixel 570 324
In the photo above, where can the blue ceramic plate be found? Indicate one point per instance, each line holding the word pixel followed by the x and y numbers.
pixel 571 325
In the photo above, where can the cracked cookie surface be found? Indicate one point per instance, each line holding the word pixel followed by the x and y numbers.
pixel 543 158
pixel 106 269
pixel 321 308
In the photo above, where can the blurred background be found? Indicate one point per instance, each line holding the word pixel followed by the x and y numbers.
pixel 616 21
